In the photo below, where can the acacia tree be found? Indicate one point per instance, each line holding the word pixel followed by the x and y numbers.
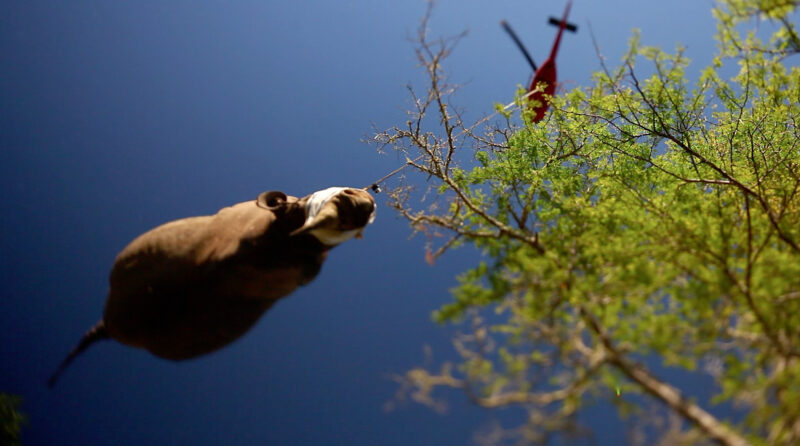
pixel 11 419
pixel 649 223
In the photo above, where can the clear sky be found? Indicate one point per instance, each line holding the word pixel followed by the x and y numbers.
pixel 116 116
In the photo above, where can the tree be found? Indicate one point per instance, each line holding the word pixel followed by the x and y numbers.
pixel 649 223
pixel 11 419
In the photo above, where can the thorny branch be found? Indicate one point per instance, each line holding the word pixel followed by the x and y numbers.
pixel 436 159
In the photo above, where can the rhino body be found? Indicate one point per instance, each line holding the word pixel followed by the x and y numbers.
pixel 192 286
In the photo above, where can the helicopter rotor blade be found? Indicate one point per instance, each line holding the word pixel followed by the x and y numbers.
pixel 516 40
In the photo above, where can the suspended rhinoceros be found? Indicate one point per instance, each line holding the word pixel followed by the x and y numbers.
pixel 192 286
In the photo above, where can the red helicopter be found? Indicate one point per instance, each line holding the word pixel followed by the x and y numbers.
pixel 545 74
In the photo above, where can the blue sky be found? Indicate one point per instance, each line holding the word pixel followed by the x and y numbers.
pixel 118 116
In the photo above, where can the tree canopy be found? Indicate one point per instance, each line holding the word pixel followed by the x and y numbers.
pixel 12 420
pixel 650 222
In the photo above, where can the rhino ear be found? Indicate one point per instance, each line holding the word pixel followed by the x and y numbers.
pixel 271 200
pixel 325 217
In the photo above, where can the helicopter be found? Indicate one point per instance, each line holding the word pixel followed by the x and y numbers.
pixel 543 84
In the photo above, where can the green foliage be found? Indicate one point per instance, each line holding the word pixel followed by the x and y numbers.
pixel 11 419
pixel 646 217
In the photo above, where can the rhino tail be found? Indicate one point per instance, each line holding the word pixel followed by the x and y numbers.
pixel 94 334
